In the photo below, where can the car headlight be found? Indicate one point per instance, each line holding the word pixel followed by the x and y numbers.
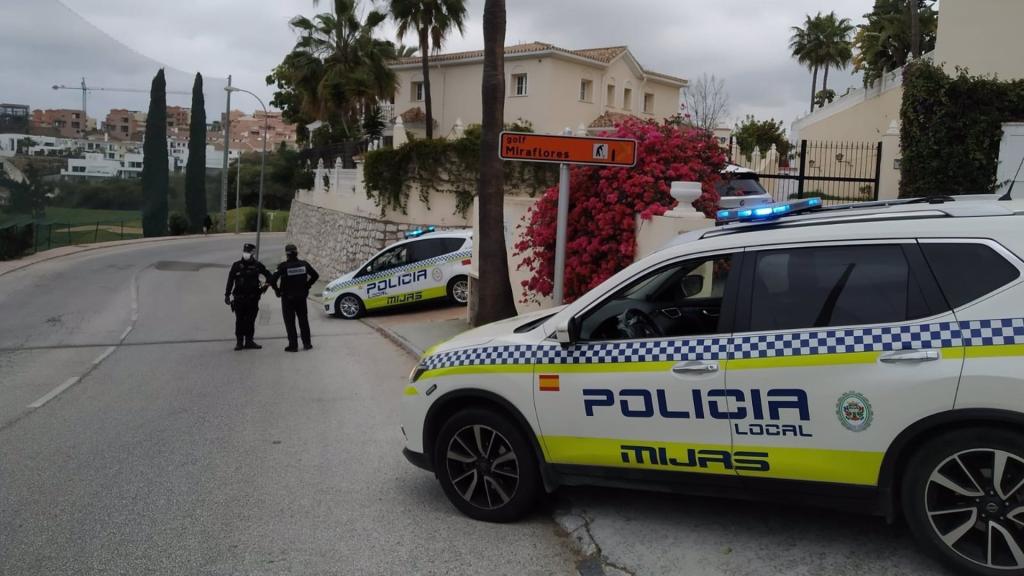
pixel 417 371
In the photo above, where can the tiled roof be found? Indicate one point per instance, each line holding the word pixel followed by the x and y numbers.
pixel 603 55
pixel 609 120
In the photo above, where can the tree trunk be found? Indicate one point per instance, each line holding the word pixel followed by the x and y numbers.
pixel 493 291
pixel 425 52
pixel 814 85
pixel 824 84
pixel 915 28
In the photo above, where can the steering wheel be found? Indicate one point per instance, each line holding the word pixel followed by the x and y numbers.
pixel 636 323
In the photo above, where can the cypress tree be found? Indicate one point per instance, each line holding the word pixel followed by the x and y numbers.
pixel 154 162
pixel 195 170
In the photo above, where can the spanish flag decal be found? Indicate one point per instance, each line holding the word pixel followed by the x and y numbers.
pixel 548 382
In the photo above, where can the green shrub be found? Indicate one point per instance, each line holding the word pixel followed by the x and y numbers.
pixel 250 221
pixel 177 224
pixel 16 241
pixel 951 130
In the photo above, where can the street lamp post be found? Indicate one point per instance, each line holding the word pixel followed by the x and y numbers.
pixel 263 162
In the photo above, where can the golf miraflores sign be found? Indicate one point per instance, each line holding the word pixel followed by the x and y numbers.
pixel 529 147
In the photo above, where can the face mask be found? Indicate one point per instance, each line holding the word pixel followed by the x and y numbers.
pixel 246 255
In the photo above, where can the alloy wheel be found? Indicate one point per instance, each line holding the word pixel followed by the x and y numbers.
pixel 349 306
pixel 460 291
pixel 482 467
pixel 975 503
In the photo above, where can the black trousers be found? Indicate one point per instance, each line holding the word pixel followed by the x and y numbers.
pixel 292 308
pixel 245 317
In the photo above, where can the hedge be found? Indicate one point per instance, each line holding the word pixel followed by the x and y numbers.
pixel 951 130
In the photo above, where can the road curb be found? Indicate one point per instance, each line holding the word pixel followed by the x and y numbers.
pixel 100 245
pixel 408 347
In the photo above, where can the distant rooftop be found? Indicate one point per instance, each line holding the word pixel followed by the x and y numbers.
pixel 605 55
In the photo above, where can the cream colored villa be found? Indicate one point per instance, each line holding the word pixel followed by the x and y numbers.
pixel 553 88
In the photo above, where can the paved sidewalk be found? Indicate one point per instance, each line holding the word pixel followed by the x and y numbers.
pixel 419 329
pixel 7 266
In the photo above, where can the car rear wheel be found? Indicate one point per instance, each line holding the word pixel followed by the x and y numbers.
pixel 486 466
pixel 349 307
pixel 963 497
pixel 458 290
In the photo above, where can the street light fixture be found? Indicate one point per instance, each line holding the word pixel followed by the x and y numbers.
pixel 263 161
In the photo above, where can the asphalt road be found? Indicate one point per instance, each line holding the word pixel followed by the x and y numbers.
pixel 165 452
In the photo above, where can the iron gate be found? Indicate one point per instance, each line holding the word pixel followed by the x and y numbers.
pixel 837 172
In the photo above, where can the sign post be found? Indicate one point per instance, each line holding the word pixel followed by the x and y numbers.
pixel 565 150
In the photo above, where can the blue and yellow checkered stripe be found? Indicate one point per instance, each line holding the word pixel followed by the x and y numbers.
pixel 451 257
pixel 1005 334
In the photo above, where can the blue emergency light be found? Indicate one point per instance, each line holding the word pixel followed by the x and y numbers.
pixel 419 232
pixel 767 211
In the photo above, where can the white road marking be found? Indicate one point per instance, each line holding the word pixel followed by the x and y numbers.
pixel 53 393
pixel 126 332
pixel 102 357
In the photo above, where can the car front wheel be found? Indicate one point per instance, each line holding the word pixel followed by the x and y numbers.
pixel 963 497
pixel 349 307
pixel 486 466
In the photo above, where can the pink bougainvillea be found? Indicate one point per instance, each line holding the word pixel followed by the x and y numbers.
pixel 604 203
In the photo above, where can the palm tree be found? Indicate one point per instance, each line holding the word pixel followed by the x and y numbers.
pixel 823 42
pixel 492 294
pixel 913 6
pixel 836 46
pixel 805 47
pixel 339 68
pixel 431 21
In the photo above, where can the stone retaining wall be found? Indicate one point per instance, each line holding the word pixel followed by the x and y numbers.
pixel 335 242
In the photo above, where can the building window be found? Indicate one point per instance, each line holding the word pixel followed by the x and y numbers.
pixel 586 90
pixel 417 91
pixel 78 168
pixel 610 97
pixel 627 99
pixel 519 84
pixel 648 103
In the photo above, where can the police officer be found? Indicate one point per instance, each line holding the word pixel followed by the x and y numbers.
pixel 244 286
pixel 292 281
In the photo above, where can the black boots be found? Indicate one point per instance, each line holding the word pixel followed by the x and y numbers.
pixel 251 345
pixel 239 345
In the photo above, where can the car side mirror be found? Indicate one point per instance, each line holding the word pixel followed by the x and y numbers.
pixel 567 332
pixel 692 285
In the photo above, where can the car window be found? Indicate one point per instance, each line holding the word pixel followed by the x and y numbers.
pixel 833 286
pixel 682 299
pixel 453 244
pixel 397 256
pixel 967 271
pixel 428 248
pixel 739 187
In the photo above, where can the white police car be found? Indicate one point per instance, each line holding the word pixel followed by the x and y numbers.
pixel 427 265
pixel 870 357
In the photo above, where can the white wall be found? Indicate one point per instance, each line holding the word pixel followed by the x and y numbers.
pixel 1011 152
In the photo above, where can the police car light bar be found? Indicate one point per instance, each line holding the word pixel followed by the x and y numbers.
pixel 419 232
pixel 767 211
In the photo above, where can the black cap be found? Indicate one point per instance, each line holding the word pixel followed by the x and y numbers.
pixel 290 249
pixel 248 247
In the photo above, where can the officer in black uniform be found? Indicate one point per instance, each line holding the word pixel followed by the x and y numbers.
pixel 292 281
pixel 244 286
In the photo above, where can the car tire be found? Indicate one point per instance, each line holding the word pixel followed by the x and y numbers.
pixel 349 307
pixel 956 506
pixel 486 466
pixel 458 290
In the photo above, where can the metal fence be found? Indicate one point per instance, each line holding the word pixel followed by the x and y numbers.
pixel 837 172
pixel 22 239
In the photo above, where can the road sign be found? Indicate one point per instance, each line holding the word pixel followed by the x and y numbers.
pixel 567 149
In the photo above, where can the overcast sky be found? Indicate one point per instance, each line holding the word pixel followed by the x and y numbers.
pixel 46 42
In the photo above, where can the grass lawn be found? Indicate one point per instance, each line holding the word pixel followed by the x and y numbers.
pixel 278 222
pixel 78 217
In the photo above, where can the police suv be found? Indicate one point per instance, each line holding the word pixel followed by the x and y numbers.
pixel 869 357
pixel 427 265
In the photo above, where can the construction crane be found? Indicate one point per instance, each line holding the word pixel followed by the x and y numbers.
pixel 86 89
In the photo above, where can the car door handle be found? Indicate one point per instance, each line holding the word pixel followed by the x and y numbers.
pixel 909 356
pixel 695 367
